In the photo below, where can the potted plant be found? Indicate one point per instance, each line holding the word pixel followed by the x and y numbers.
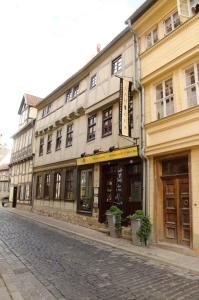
pixel 141 228
pixel 114 221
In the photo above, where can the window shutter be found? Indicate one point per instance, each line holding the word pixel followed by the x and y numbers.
pixel 183 9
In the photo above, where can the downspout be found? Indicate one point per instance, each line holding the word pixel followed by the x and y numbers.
pixel 140 89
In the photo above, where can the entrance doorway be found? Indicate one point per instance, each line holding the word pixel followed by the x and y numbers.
pixel 176 202
pixel 14 201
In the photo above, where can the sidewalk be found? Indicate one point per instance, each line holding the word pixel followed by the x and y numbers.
pixel 186 262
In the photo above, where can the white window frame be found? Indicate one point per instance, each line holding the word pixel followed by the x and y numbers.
pixel 191 13
pixel 151 32
pixel 93 81
pixel 196 84
pixel 164 98
pixel 172 22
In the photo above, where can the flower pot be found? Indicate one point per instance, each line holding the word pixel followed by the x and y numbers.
pixel 135 226
pixel 113 219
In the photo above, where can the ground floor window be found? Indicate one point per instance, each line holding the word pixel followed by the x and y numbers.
pixel 85 200
pixel 69 185
pixel 39 187
pixel 57 186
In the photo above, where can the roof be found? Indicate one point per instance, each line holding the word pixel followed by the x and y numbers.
pixel 140 11
pixel 30 100
pixel 86 66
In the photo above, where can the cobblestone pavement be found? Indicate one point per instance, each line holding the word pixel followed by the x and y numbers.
pixel 73 268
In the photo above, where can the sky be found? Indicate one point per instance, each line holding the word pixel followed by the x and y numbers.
pixel 43 42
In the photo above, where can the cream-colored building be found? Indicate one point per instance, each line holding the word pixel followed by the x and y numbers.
pixel 168 33
pixel 21 163
pixel 82 165
pixel 4 182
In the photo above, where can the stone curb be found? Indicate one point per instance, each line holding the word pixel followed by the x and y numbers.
pixel 116 246
pixel 11 288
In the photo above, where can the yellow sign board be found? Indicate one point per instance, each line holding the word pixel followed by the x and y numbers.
pixel 116 154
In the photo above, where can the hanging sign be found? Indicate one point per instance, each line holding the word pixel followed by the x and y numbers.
pixel 125 94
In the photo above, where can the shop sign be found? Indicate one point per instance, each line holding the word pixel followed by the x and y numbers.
pixel 125 94
pixel 101 157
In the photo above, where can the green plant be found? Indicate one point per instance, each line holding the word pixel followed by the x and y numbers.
pixel 139 214
pixel 114 210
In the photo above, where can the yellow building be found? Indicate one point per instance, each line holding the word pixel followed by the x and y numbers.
pixel 168 33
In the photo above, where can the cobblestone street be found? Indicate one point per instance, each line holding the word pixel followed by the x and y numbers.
pixel 68 267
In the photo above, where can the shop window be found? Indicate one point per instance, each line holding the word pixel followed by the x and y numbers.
pixel 69 196
pixel 86 190
pixel 164 99
pixel 39 187
pixel 49 143
pixel 58 140
pixel 41 147
pixel 107 122
pixel 117 65
pixel 172 22
pixel 57 185
pixel 152 37
pixel 192 85
pixel 69 135
pixel 91 128
pixel 47 186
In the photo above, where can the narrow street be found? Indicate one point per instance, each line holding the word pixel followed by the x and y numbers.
pixel 72 268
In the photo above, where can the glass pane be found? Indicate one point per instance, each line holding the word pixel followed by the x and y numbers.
pixel 86 189
pixel 191 96
pixel 149 40
pixel 169 106
pixel 159 92
pixel 168 87
pixel 176 20
pixel 168 25
pixel 190 77
pixel 160 110
pixel 155 35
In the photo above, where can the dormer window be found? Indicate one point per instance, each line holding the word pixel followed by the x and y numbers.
pixel 152 37
pixel 172 22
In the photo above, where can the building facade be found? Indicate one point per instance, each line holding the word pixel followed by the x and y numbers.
pixel 169 60
pixel 82 165
pixel 4 182
pixel 21 163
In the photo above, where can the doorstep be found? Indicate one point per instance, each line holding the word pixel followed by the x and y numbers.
pixel 176 248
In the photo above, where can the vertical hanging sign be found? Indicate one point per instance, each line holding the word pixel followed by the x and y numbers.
pixel 125 90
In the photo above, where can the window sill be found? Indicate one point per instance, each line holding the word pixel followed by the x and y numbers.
pixel 84 212
pixel 68 146
pixel 105 135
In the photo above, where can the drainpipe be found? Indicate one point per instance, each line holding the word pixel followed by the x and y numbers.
pixel 140 89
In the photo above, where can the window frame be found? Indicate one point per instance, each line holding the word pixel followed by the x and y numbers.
pixel 47 185
pixel 58 140
pixel 105 119
pixel 69 185
pixel 196 84
pixel 72 93
pixel 69 135
pixel 49 142
pixel 56 182
pixel 39 183
pixel 153 42
pixel 118 63
pixel 171 17
pixel 91 126
pixel 93 81
pixel 164 98
pixel 191 13
pixel 46 110
pixel 41 146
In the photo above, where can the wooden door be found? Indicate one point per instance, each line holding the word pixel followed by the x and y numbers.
pixel 177 210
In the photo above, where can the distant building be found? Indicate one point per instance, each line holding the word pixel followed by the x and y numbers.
pixel 3 149
pixel 4 181
pixel 21 164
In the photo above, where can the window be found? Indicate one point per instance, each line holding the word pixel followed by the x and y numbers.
pixel 72 92
pixel 107 122
pixel 152 38
pixel 69 186
pixel 86 190
pixel 47 186
pixel 172 22
pixel 164 99
pixel 58 139
pixel 192 6
pixel 93 81
pixel 69 135
pixel 39 187
pixel 192 85
pixel 41 147
pixel 46 110
pixel 117 65
pixel 57 186
pixel 131 113
pixel 27 195
pixel 91 128
pixel 49 143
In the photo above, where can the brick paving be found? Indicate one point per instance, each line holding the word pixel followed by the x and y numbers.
pixel 51 264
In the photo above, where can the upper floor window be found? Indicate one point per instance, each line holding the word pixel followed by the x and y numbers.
pixel 91 128
pixel 46 110
pixel 152 37
pixel 172 22
pixel 41 147
pixel 93 81
pixel 107 122
pixel 69 185
pixel 72 92
pixel 57 185
pixel 164 98
pixel 117 65
pixel 49 143
pixel 69 135
pixel 193 6
pixel 47 185
pixel 58 139
pixel 192 84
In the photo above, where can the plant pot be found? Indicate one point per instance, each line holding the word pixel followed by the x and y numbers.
pixel 135 226
pixel 112 221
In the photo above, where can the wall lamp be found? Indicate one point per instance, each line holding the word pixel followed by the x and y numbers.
pixel 111 148
pixel 95 151
pixel 83 155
